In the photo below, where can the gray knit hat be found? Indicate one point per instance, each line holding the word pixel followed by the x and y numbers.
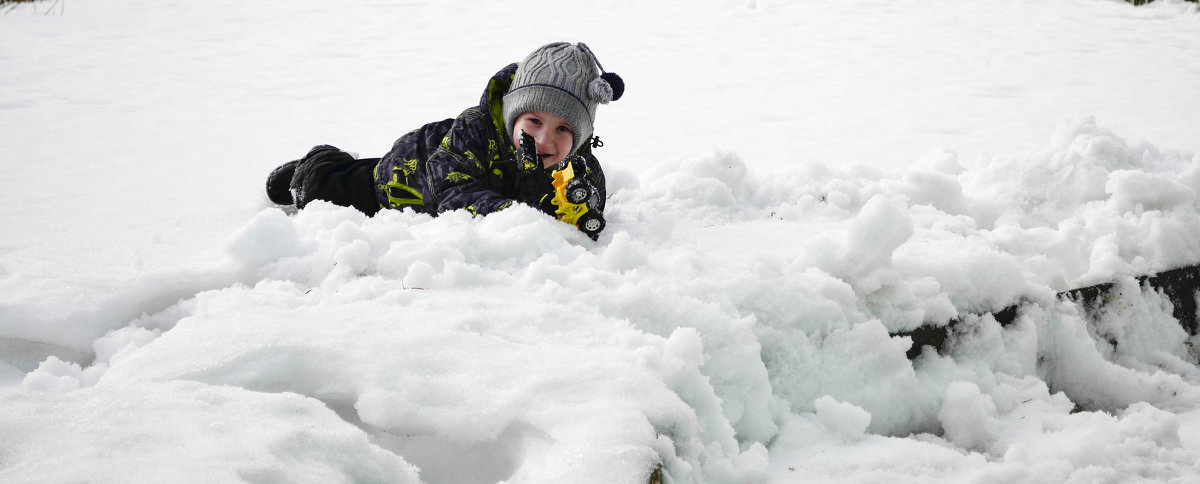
pixel 564 79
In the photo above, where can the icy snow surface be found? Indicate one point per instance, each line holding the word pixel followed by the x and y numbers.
pixel 790 182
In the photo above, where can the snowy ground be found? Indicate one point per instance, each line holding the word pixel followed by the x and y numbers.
pixel 790 181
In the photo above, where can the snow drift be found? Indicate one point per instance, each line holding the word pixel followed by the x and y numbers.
pixel 736 322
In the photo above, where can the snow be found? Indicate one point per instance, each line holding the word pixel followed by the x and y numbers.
pixel 790 183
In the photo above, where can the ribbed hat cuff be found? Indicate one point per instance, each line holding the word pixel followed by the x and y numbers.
pixel 542 97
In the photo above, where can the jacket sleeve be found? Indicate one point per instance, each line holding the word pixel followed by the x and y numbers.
pixel 456 171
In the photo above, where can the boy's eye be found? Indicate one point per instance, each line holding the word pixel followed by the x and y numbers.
pixel 565 128
pixel 535 121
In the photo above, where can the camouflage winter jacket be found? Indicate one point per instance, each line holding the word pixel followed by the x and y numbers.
pixel 468 162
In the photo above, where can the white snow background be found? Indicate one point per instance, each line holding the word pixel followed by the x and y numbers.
pixel 790 182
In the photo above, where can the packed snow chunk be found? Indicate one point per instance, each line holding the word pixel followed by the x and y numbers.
pixel 941 160
pixel 706 434
pixel 727 170
pixel 876 232
pixel 731 354
pixel 54 376
pixel 967 416
pixel 933 181
pixel 1138 190
pixel 519 233
pixel 864 259
pixel 1143 421
pixel 865 366
pixel 617 179
pixel 267 237
pixel 184 432
pixel 972 275
pixel 419 275
pixel 683 353
pixel 1137 329
pixel 939 190
pixel 1081 138
pixel 1141 443
pixel 624 253
pixel 685 345
pixel 697 191
pixel 120 343
pixel 353 258
pixel 846 421
pixel 1105 261
pixel 533 382
pixel 546 269
pixel 1071 362
pixel 1026 398
pixel 1055 184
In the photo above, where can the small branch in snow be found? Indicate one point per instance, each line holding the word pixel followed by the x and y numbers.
pixel 17 3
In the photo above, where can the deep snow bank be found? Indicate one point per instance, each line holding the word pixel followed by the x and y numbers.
pixel 723 312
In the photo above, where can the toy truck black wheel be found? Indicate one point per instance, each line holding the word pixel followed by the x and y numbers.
pixel 577 192
pixel 591 224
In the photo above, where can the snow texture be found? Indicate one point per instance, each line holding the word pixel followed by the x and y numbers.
pixel 790 184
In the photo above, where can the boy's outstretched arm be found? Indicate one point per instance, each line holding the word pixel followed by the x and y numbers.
pixel 457 185
pixel 461 175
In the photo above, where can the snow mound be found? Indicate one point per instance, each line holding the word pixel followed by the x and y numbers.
pixel 725 311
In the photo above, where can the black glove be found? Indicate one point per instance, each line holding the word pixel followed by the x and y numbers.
pixel 535 190
pixel 533 186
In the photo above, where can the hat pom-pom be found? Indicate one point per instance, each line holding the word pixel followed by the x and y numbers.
pixel 600 91
pixel 616 83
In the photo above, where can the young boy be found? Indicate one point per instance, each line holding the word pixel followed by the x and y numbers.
pixel 473 162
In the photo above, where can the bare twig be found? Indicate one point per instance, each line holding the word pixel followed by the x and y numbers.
pixel 13 4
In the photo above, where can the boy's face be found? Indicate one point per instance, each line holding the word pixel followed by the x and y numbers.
pixel 552 134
